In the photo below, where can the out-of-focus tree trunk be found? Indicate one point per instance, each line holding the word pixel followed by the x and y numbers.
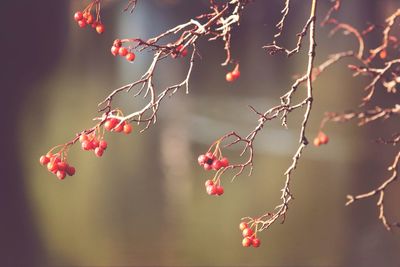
pixel 25 44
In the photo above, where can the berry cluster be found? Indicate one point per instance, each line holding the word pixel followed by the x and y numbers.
pixel 118 49
pixel 233 75
pixel 210 161
pixel 214 188
pixel 321 139
pixel 115 125
pixel 249 237
pixel 86 18
pixel 214 161
pixel 57 165
pixel 91 142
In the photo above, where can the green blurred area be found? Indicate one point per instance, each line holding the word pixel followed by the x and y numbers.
pixel 143 203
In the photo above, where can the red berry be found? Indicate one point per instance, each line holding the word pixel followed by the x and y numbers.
pixel 323 138
pixel 207 166
pixel 100 28
pixel 229 77
pixel 114 50
pixel 52 166
pixel 383 54
pixel 78 16
pixel 44 160
pixel 82 23
pixel 225 162
pixel 246 242
pixel 89 19
pixel 235 74
pixel 181 50
pixel 209 182
pixel 95 143
pixel 123 51
pixel 61 175
pixel 201 159
pixel 87 145
pixel 70 170
pixel 127 128
pixel 216 165
pixel 110 124
pixel 55 159
pixel 83 137
pixel 130 56
pixel 316 141
pixel 247 232
pixel 103 144
pixel 219 190
pixel 243 226
pixel 62 166
pixel 211 190
pixel 117 43
pixel 99 152
pixel 256 242
pixel 119 128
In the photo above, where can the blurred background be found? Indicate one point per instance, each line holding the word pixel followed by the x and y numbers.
pixel 143 203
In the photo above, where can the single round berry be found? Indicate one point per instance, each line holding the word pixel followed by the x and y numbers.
pixel 89 19
pixel 256 242
pixel 247 232
pixel 229 77
pixel 182 50
pixel 207 166
pixel 62 166
pixel 130 56
pixel 61 175
pixel 383 54
pixel 201 159
pixel 243 226
pixel 103 144
pixel 100 28
pixel 70 170
pixel 82 23
pixel 110 124
pixel 216 165
pixel 44 160
pixel 117 43
pixel 211 190
pixel 219 190
pixel 114 50
pixel 87 145
pixel 119 128
pixel 52 166
pixel 246 242
pixel 83 137
pixel 99 152
pixel 123 51
pixel 225 162
pixel 127 128
pixel 78 16
pixel 235 74
pixel 95 143
pixel 209 182
pixel 323 138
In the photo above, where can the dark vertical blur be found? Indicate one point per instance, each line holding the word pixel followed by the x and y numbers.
pixel 32 40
